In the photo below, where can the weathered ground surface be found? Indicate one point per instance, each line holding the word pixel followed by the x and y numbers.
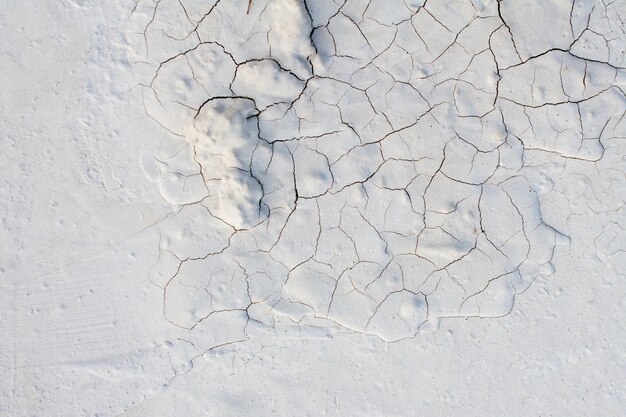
pixel 320 207
pixel 377 166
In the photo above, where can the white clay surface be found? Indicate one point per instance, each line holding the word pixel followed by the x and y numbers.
pixel 311 208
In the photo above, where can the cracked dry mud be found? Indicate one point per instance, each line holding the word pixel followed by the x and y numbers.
pixel 371 166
